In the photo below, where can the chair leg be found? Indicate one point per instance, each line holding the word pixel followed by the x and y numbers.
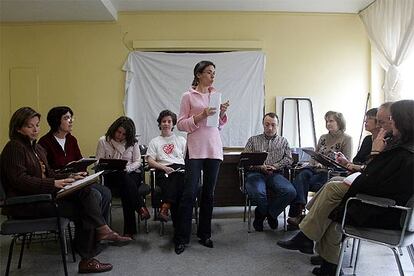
pixel 410 250
pixel 341 256
pixel 354 244
pixel 21 251
pixel 245 208
pixel 62 246
pixel 146 228
pixel 249 216
pixel 72 246
pixel 10 255
pixel 162 228
pixel 397 259
pixel 356 254
pixel 284 220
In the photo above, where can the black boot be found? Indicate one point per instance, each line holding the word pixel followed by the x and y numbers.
pixel 273 223
pixel 258 220
pixel 298 242
pixel 326 269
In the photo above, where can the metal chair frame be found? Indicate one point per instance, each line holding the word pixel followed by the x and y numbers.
pixel 407 212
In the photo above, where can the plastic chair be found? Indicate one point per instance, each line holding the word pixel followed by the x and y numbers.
pixel 393 239
pixel 17 227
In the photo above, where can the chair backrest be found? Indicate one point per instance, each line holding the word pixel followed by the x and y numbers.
pixel 410 222
pixel 299 156
pixel 143 149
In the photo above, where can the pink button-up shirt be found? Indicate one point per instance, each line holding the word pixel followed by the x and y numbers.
pixel 202 141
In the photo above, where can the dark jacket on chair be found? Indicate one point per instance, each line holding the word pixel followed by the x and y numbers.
pixel 390 175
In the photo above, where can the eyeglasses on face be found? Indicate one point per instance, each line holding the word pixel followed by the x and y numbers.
pixel 68 118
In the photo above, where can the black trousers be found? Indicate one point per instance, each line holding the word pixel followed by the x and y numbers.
pixel 82 207
pixel 170 185
pixel 126 185
pixel 193 168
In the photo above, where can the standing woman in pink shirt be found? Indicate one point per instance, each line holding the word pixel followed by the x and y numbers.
pixel 204 153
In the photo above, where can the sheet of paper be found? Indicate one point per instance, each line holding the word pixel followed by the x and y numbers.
pixel 80 181
pixel 350 178
pixel 215 101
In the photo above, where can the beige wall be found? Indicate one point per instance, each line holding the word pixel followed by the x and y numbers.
pixel 325 56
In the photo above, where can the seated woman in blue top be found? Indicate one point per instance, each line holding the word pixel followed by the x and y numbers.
pixel 119 142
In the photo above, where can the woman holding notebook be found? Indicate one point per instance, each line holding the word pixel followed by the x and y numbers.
pixel 119 142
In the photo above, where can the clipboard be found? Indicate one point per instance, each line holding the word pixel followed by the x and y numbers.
pixel 78 184
pixel 77 166
pixel 325 160
pixel 252 159
pixel 112 164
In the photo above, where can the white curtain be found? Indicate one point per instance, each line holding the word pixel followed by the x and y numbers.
pixel 156 81
pixel 390 27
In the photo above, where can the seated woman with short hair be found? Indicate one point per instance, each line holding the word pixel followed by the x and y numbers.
pixel 25 171
pixel 166 154
pixel 119 142
pixel 313 177
pixel 62 148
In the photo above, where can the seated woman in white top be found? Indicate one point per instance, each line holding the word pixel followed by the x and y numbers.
pixel 166 154
pixel 119 142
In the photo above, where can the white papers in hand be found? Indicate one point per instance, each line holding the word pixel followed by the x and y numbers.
pixel 215 101
pixel 350 178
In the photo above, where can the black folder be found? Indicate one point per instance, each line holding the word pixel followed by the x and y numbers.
pixel 325 160
pixel 252 158
pixel 77 166
pixel 112 164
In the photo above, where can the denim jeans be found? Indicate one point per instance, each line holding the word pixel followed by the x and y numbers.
pixel 308 180
pixel 281 192
pixel 193 169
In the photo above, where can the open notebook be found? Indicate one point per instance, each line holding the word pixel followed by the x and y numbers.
pixel 78 184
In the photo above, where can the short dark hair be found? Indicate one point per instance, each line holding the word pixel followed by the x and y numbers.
pixel 166 113
pixel 199 68
pixel 271 115
pixel 338 117
pixel 402 113
pixel 54 116
pixel 19 119
pixel 127 124
pixel 372 112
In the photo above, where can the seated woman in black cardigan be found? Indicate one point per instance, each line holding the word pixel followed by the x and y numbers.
pixel 25 171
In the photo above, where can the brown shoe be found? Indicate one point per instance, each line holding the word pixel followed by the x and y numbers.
pixel 112 236
pixel 93 266
pixel 144 213
pixel 163 214
pixel 295 221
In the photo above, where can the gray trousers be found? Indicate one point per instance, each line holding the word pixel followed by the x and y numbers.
pixel 317 226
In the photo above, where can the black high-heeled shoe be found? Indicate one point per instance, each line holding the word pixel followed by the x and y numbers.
pixel 179 248
pixel 206 242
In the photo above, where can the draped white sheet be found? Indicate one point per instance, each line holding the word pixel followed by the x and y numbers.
pixel 156 81
pixel 390 28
